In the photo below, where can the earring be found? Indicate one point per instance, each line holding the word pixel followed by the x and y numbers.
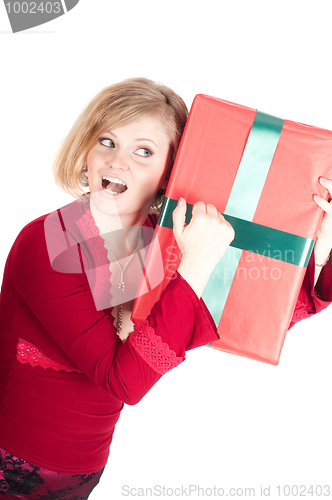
pixel 161 201
pixel 158 201
pixel 84 176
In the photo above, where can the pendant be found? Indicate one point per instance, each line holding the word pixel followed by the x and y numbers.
pixel 120 320
pixel 121 286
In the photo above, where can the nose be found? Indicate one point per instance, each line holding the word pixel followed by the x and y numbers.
pixel 119 161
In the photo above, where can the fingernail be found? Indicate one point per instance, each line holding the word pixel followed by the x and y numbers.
pixel 316 197
pixel 323 180
pixel 180 202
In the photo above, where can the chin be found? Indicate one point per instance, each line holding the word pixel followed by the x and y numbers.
pixel 104 205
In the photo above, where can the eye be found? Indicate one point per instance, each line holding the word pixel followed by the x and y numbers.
pixel 143 152
pixel 105 141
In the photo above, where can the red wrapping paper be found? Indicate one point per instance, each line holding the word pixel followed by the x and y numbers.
pixel 264 290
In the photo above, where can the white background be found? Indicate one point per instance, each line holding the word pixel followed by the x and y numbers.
pixel 217 420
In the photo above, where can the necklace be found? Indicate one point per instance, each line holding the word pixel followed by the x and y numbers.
pixel 121 284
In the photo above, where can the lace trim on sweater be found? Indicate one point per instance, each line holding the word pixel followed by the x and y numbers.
pixel 300 311
pixel 100 275
pixel 29 353
pixel 153 350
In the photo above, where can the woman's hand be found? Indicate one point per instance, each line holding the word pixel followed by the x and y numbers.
pixel 202 242
pixel 323 243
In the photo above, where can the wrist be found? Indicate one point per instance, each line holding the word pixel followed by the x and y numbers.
pixel 325 261
pixel 194 275
pixel 322 251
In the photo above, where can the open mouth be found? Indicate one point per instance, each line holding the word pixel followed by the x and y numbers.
pixel 113 185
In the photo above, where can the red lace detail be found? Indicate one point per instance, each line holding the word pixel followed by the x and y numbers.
pixel 29 353
pixel 99 276
pixel 153 350
pixel 300 311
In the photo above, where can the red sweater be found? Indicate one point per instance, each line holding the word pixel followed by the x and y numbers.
pixel 64 373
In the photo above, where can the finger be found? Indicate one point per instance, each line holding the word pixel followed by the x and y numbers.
pixel 198 208
pixel 222 218
pixel 179 217
pixel 327 183
pixel 211 210
pixel 323 204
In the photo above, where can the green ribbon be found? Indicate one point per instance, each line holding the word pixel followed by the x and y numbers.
pixel 254 166
pixel 239 212
pixel 253 237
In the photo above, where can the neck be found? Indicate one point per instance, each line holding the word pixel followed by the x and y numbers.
pixel 121 234
pixel 107 223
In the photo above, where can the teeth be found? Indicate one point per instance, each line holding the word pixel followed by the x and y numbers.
pixel 115 180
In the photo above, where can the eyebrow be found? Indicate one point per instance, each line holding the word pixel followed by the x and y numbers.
pixel 145 139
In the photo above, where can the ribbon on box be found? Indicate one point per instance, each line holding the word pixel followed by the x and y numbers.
pixel 239 212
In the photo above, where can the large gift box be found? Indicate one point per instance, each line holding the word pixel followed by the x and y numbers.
pixel 260 172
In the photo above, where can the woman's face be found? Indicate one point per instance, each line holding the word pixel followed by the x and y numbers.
pixel 127 166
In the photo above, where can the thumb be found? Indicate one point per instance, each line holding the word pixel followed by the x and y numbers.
pixel 179 217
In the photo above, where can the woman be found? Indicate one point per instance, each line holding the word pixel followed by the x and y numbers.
pixel 70 356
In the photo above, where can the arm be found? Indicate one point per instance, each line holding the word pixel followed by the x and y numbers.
pixel 323 243
pixel 202 242
pixel 316 292
pixel 63 304
pixel 313 298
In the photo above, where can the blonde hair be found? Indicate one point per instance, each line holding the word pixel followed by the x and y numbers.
pixel 116 106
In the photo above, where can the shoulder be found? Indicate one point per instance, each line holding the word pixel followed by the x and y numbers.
pixel 37 228
pixel 46 237
pixel 31 235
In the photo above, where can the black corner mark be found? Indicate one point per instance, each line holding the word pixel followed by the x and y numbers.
pixel 70 4
pixel 24 14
